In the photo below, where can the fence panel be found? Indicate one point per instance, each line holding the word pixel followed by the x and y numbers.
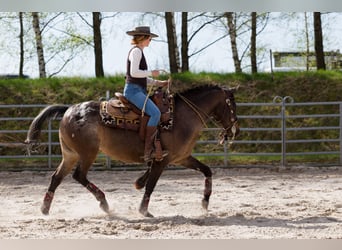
pixel 281 132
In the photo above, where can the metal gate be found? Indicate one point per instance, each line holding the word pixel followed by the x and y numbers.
pixel 268 130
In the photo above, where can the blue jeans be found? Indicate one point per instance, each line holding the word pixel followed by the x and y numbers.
pixel 137 95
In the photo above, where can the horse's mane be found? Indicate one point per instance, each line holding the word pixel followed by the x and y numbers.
pixel 197 90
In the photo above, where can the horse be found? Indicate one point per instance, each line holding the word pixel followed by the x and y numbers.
pixel 82 135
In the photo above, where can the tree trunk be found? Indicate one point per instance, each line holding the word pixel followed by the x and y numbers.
pixel 99 72
pixel 319 41
pixel 253 43
pixel 21 40
pixel 39 44
pixel 174 59
pixel 307 41
pixel 232 35
pixel 185 42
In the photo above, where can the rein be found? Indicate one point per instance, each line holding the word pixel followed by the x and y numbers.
pixel 198 112
pixel 151 88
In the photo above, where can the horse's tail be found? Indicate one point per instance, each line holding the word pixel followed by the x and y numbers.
pixel 52 111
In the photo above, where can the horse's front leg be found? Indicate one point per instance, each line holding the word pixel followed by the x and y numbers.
pixel 155 172
pixel 141 181
pixel 193 163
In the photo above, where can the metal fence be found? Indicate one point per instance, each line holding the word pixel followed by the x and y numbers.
pixel 281 133
pixel 286 133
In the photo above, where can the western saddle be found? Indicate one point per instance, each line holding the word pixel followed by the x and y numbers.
pixel 119 112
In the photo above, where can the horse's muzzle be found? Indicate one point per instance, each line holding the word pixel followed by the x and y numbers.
pixel 234 130
pixel 230 133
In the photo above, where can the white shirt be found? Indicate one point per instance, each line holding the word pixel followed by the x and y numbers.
pixel 135 57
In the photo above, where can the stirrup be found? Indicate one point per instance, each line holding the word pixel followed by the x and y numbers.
pixel 154 156
pixel 149 157
pixel 159 157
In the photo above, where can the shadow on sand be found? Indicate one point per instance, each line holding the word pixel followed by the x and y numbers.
pixel 314 222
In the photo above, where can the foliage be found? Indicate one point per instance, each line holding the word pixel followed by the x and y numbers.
pixel 57 90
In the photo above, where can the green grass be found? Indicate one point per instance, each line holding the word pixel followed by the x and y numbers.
pixel 302 86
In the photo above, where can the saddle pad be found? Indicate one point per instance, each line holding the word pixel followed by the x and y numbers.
pixel 116 119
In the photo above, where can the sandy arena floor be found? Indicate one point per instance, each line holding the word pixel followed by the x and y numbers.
pixel 245 204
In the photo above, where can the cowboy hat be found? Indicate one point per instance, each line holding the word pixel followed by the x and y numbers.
pixel 142 30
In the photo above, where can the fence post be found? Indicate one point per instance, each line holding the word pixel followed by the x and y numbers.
pixel 283 134
pixel 49 143
pixel 341 133
pixel 225 147
pixel 283 125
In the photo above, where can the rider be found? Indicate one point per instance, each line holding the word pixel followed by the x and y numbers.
pixel 137 78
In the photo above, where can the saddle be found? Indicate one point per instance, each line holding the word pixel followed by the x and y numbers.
pixel 119 112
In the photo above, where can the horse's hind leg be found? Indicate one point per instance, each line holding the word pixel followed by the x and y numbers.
pixel 63 170
pixel 192 163
pixel 80 175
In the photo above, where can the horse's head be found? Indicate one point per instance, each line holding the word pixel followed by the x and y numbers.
pixel 212 101
pixel 225 113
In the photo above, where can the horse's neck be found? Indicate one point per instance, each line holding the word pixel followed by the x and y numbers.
pixel 201 105
pixel 206 102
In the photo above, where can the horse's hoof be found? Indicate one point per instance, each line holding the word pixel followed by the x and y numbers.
pixel 147 214
pixel 104 206
pixel 139 184
pixel 44 210
pixel 205 204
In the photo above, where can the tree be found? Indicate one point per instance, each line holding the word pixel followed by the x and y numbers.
pixel 185 42
pixel 253 42
pixel 39 44
pixel 198 22
pixel 98 44
pixel 174 59
pixel 319 49
pixel 232 34
pixel 64 40
pixel 302 32
pixel 307 41
pixel 21 40
pixel 239 25
pixel 60 46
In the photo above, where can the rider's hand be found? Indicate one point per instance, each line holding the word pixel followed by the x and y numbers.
pixel 155 73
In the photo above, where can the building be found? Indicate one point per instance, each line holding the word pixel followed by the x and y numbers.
pixel 302 61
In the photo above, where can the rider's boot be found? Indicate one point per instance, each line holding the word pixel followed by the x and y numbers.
pixel 159 153
pixel 151 132
pixel 152 146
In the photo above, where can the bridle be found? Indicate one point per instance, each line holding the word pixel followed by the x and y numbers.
pixel 233 119
pixel 227 108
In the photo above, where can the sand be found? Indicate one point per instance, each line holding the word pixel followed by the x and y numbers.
pixel 301 203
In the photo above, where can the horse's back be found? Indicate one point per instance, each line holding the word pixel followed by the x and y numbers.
pixel 82 111
pixel 82 131
pixel 78 125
